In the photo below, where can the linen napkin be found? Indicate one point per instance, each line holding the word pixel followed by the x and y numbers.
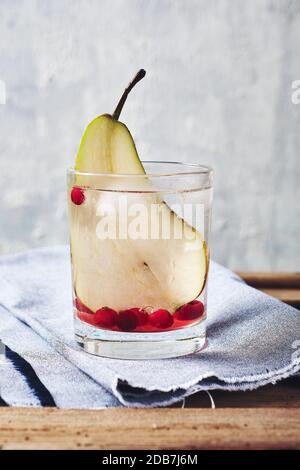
pixel 253 340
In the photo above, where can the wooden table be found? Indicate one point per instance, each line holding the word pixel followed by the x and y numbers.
pixel 267 418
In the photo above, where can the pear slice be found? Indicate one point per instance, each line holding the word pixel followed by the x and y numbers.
pixel 125 273
pixel 122 273
pixel 108 147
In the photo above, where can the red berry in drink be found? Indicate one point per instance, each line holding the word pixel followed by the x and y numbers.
pixel 106 317
pixel 190 311
pixel 77 195
pixel 87 317
pixel 127 320
pixel 161 319
pixel 141 314
pixel 80 306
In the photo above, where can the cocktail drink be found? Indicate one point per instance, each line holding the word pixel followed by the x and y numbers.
pixel 139 247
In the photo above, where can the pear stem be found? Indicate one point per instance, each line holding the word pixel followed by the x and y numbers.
pixel 141 73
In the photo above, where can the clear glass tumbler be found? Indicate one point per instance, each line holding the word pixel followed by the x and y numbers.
pixel 140 258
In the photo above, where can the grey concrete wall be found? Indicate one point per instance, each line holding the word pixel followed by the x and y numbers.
pixel 218 91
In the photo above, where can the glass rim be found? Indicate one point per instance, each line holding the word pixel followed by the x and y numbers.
pixel 195 169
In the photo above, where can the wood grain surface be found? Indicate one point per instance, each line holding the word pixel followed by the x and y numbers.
pixel 276 280
pixel 283 286
pixel 240 428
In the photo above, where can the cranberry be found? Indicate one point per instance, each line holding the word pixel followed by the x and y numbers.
pixel 106 317
pixel 161 319
pixel 87 317
pixel 80 306
pixel 190 311
pixel 127 320
pixel 77 195
pixel 141 314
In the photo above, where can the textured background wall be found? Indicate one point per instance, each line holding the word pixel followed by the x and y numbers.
pixel 218 91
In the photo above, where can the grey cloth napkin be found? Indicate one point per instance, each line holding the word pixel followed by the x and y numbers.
pixel 253 340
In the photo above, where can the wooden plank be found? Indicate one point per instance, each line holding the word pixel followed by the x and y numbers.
pixel 23 428
pixel 282 286
pixel 266 279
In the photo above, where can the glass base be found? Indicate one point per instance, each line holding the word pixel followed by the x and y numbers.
pixel 116 345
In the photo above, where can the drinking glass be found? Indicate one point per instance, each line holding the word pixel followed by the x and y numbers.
pixel 140 256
